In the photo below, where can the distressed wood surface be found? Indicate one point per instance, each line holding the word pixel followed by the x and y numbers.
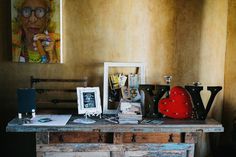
pixel 117 154
pixel 77 154
pixel 168 125
pixel 42 138
pixel 80 137
pixel 178 153
pixel 191 137
pixel 151 137
pixel 118 138
pixel 88 147
pixel 154 150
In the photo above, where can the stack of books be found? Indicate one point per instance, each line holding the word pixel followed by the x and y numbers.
pixel 130 112
pixel 129 118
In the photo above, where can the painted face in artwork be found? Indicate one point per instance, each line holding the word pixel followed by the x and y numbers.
pixel 34 17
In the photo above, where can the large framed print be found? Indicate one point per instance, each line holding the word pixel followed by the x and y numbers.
pixel 89 101
pixel 36 31
pixel 121 81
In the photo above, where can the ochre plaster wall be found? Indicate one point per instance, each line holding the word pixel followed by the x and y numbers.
pixel 211 60
pixel 229 110
pixel 182 38
pixel 213 48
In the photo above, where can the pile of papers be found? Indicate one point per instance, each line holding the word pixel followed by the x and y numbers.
pixel 130 112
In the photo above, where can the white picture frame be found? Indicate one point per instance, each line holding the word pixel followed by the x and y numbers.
pixel 107 66
pixel 89 101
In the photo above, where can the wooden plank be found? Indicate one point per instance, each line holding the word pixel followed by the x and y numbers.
pixel 171 126
pixel 117 153
pixel 42 138
pixel 118 138
pixel 167 150
pixel 77 154
pixel 34 81
pixel 101 147
pixel 179 153
pixel 191 137
pixel 200 141
pixel 151 137
pixel 79 137
pixel 40 154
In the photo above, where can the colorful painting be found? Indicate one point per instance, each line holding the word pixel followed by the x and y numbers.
pixel 36 31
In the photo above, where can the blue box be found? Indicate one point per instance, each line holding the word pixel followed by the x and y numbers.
pixel 26 100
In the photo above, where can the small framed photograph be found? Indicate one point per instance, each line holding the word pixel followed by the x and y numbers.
pixel 89 101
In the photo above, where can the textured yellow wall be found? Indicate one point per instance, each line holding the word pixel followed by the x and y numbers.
pixel 211 58
pixel 229 110
pixel 213 48
pixel 182 38
pixel 170 37
pixel 185 39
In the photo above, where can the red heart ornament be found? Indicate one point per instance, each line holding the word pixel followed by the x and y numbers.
pixel 178 105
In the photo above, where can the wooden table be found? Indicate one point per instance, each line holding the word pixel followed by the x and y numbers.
pixel 176 138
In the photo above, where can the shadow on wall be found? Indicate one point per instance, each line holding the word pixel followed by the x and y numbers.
pixel 12 144
pixel 183 61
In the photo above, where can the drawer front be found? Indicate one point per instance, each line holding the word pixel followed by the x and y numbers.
pixel 117 138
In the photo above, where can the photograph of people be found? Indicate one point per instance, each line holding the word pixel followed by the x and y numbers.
pixel 36 31
pixel 89 100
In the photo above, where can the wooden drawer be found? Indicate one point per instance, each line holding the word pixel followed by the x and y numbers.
pixel 116 138
pixel 146 138
pixel 80 137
